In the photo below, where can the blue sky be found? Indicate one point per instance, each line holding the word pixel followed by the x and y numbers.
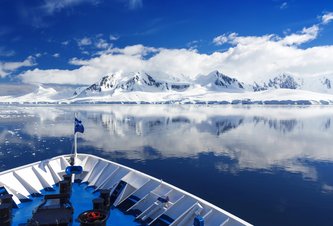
pixel 44 40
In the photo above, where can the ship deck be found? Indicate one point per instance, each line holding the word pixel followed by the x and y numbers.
pixel 81 199
pixel 136 198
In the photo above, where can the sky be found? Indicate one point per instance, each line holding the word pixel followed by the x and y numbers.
pixel 76 42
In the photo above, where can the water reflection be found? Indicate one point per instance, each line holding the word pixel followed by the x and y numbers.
pixel 233 148
pixel 255 137
pixel 285 126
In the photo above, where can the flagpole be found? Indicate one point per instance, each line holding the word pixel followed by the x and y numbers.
pixel 75 141
pixel 75 145
pixel 75 153
pixel 75 169
pixel 78 128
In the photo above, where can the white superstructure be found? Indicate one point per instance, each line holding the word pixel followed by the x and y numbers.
pixel 151 193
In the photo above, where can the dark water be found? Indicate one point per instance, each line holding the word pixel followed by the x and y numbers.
pixel 267 165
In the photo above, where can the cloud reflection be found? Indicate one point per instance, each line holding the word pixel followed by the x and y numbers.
pixel 252 138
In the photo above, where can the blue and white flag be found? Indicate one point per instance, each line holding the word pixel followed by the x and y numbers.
pixel 78 126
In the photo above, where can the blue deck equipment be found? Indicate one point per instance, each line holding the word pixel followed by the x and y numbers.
pixel 73 170
pixel 198 221
pixel 81 200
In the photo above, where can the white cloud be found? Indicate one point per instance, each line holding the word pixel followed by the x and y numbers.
pixel 5 52
pixel 51 6
pixel 6 68
pixel 220 40
pixel 65 43
pixel 132 4
pixel 326 18
pixel 56 55
pixel 113 37
pixel 284 5
pixel 35 15
pixel 38 55
pixel 193 44
pixel 135 4
pixel 96 45
pixel 306 35
pixel 84 42
pixel 250 58
pixel 102 44
pixel 135 50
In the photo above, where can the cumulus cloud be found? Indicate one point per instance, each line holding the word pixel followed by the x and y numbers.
pixel 306 35
pixel 56 55
pixel 126 60
pixel 220 40
pixel 326 18
pixel 249 58
pixel 7 68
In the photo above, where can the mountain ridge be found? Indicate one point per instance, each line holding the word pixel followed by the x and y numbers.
pixel 214 81
pixel 213 88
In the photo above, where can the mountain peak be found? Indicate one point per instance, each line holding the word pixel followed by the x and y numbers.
pixel 284 81
pixel 137 81
pixel 218 80
pixel 214 81
pixel 281 81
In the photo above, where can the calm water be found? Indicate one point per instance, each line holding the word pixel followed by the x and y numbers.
pixel 267 165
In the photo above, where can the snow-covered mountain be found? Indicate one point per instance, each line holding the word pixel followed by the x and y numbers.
pixel 283 81
pixel 132 82
pixel 213 88
pixel 321 84
pixel 217 81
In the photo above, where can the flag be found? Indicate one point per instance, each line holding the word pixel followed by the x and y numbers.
pixel 78 127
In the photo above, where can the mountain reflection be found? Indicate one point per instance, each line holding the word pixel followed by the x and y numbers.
pixel 327 124
pixel 284 126
pixel 252 138
pixel 218 125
